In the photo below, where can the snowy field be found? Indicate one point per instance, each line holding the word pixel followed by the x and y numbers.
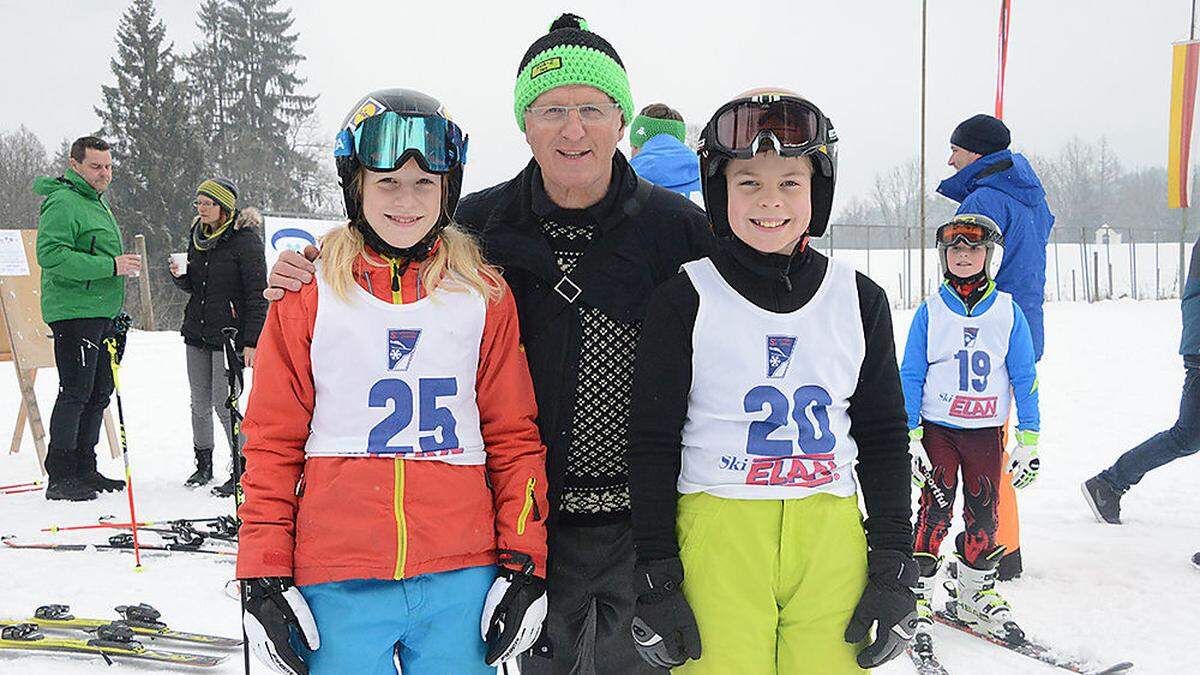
pixel 1109 379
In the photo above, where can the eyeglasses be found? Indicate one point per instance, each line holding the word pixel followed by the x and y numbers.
pixel 588 112
pixel 202 205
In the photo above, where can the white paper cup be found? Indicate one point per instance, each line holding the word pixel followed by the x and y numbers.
pixel 179 261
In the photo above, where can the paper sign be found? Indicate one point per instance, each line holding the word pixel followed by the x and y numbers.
pixel 13 262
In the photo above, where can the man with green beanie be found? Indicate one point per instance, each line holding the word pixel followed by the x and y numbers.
pixel 660 155
pixel 83 289
pixel 582 241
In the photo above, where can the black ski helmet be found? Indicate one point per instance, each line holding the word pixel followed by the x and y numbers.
pixel 823 155
pixel 405 102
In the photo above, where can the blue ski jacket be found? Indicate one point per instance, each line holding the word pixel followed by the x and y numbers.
pixel 1020 360
pixel 1003 187
pixel 664 161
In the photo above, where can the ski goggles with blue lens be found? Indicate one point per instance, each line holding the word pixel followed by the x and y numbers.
pixel 385 141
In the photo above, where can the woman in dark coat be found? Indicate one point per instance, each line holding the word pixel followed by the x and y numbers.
pixel 225 275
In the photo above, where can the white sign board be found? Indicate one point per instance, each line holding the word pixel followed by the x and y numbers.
pixel 13 262
pixel 283 233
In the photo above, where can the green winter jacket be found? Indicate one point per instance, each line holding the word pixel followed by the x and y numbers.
pixel 77 242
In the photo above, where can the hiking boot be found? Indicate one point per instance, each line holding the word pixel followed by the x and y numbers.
pixel 204 470
pixel 69 489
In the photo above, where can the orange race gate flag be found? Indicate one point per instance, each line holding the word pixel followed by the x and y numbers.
pixel 1186 57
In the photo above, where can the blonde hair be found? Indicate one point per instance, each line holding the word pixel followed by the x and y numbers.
pixel 457 263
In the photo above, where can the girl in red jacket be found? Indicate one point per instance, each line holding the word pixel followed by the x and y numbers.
pixel 392 460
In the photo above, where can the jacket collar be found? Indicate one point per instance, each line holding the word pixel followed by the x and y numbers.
pixel 961 184
pixel 604 213
pixel 79 185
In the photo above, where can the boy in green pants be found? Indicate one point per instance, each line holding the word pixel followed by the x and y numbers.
pixel 764 373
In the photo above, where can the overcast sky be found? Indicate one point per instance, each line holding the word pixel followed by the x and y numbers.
pixel 1086 68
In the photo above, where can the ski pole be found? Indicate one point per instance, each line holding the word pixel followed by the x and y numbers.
pixel 21 485
pixel 114 362
pixel 233 371
pixel 17 492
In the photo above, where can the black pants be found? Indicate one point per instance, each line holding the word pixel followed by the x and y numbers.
pixel 85 383
pixel 591 605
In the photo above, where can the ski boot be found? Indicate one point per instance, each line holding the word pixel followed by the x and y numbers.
pixel 1104 499
pixel 975 601
pixel 203 474
pixel 928 564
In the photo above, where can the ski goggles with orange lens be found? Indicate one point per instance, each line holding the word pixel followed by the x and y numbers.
pixel 968 232
pixel 796 126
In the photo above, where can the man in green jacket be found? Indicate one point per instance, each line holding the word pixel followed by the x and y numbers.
pixel 79 251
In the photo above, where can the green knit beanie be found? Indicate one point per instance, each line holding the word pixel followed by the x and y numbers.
pixel 570 53
pixel 644 128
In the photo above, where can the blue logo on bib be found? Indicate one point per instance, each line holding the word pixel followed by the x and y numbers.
pixel 969 335
pixel 402 342
pixel 779 354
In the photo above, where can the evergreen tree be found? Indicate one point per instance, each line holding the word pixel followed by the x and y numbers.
pixel 253 110
pixel 157 155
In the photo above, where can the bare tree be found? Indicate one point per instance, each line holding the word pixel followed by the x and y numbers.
pixel 22 158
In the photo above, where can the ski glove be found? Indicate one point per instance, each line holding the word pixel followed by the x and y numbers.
pixel 1023 462
pixel 274 608
pixel 921 466
pixel 513 611
pixel 887 601
pixel 664 628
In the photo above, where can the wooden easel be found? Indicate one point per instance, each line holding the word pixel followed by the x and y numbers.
pixel 26 341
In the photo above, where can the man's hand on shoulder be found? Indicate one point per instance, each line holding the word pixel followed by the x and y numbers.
pixel 290 272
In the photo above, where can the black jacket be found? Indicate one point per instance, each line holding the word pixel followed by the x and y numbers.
pixel 226 284
pixel 663 379
pixel 644 233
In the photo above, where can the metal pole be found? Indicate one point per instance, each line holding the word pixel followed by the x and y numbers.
pixel 1057 279
pixel 1182 238
pixel 921 187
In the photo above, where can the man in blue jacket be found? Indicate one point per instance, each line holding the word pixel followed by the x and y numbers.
pixel 994 181
pixel 1103 491
pixel 659 154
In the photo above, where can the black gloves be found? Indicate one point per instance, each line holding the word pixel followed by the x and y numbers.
pixel 664 628
pixel 273 608
pixel 888 599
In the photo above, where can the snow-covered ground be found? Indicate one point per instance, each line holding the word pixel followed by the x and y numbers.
pixel 1109 379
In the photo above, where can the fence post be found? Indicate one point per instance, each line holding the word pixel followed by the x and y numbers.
pixel 1095 276
pixel 1083 262
pixel 1133 278
pixel 1157 270
pixel 146 301
pixel 1057 280
pixel 1074 292
pixel 868 250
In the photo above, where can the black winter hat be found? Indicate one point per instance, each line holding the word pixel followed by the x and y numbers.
pixel 982 134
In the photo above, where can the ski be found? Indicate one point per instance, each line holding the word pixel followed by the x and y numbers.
pixel 112 640
pixel 1027 647
pixel 121 542
pixel 920 650
pixel 142 619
